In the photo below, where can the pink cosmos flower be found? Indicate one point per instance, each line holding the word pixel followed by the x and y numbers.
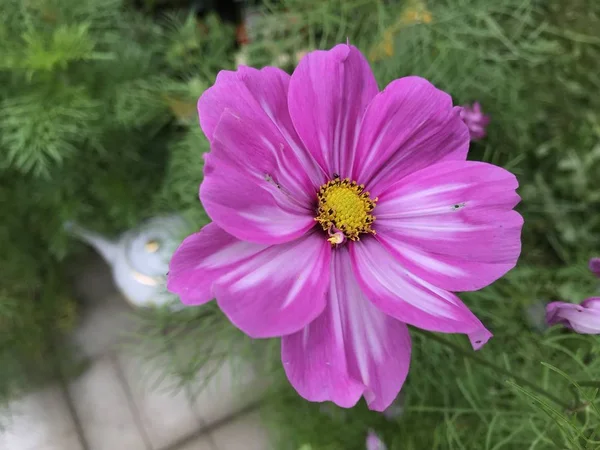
pixel 374 443
pixel 583 318
pixel 341 214
pixel 475 119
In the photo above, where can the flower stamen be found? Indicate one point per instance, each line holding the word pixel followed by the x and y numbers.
pixel 336 237
pixel 344 210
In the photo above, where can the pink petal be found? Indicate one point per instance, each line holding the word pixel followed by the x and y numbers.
pixel 260 182
pixel 452 224
pixel 248 202
pixel 280 290
pixel 409 298
pixel 328 95
pixel 203 258
pixel 260 98
pixel 592 303
pixel 352 349
pixel 584 318
pixel 408 126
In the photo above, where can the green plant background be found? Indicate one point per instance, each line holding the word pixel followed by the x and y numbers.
pixel 98 125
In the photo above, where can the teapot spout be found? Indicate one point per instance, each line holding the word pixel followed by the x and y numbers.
pixel 106 247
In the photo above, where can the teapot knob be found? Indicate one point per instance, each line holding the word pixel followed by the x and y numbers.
pixel 152 246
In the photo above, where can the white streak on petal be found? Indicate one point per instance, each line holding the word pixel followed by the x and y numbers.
pixel 428 261
pixel 374 151
pixel 230 253
pixel 430 192
pixel 396 282
pixel 441 292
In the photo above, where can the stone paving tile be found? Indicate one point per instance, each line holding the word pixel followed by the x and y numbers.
pixel 166 416
pixel 105 317
pixel 40 421
pixel 93 280
pixel 199 443
pixel 104 326
pixel 104 409
pixel 243 433
pixel 118 406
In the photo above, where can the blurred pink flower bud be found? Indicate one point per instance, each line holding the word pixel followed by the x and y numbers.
pixel 475 119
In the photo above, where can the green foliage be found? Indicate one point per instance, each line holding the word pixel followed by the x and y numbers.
pixel 199 49
pixel 183 176
pixel 90 105
pixel 36 137
pixel 36 313
pixel 61 94
pixel 188 346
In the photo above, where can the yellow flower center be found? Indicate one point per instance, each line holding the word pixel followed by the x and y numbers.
pixel 345 208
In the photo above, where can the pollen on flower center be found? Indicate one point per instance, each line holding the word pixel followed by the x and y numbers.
pixel 344 207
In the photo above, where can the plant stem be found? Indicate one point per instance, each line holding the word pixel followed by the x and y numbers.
pixel 595 384
pixel 496 368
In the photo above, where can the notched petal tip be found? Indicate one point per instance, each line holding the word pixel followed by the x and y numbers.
pixel 479 338
pixel 344 51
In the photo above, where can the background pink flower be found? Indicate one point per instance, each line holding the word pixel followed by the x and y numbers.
pixel 341 214
pixel 595 266
pixel 583 318
pixel 476 121
pixel 374 443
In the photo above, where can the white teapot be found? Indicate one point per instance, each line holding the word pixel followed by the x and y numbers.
pixel 139 258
